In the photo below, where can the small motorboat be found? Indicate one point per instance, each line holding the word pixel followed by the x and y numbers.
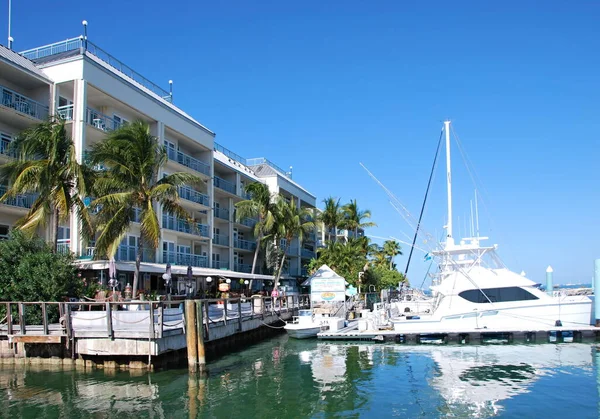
pixel 307 324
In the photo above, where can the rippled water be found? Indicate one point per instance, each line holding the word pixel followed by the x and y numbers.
pixel 285 378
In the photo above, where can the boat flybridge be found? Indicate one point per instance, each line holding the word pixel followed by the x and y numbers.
pixel 472 289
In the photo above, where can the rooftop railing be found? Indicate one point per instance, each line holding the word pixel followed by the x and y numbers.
pixel 230 154
pixel 261 160
pixel 74 44
pixel 22 104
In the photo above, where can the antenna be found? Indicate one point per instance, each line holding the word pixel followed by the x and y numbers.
pixel 171 91
pixel 10 38
pixel 449 241
pixel 476 214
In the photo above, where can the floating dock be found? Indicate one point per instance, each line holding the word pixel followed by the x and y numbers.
pixel 467 336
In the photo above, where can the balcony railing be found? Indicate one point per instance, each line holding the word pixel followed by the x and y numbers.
pixel 244 244
pixel 245 194
pixel 218 264
pixel 308 254
pixel 248 222
pixel 128 253
pixel 100 121
pixel 177 224
pixel 87 253
pixel 222 213
pixel 65 112
pixel 221 239
pixel 223 184
pixel 78 44
pixel 243 267
pixel 179 258
pixel 21 201
pixel 22 104
pixel 193 195
pixel 5 148
pixel 188 161
pixel 63 246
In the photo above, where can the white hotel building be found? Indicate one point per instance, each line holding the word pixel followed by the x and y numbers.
pixel 96 93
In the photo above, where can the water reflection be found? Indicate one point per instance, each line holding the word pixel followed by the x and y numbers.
pixel 310 379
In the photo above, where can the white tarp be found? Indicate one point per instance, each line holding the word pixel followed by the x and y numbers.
pixel 326 285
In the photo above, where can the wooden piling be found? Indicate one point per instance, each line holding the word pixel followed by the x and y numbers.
pixel 191 335
pixel 200 336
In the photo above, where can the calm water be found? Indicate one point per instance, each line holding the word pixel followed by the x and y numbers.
pixel 284 378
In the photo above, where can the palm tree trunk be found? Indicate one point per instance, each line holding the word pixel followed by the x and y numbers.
pixel 55 233
pixel 136 274
pixel 391 261
pixel 256 254
pixel 281 265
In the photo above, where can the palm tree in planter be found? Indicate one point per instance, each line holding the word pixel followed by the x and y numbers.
pixel 290 222
pixel 259 206
pixel 133 158
pixel 46 165
pixel 331 216
pixel 354 217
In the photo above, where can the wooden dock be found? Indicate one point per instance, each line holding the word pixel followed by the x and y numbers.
pixel 467 336
pixel 136 329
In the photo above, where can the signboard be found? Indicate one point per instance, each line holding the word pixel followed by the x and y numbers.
pixel 328 289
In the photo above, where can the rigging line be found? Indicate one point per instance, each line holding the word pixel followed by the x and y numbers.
pixel 437 151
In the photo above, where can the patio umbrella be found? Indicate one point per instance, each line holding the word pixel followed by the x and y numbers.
pixel 190 273
pixel 189 280
pixel 112 269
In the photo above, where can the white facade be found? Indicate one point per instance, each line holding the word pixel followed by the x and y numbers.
pixel 95 97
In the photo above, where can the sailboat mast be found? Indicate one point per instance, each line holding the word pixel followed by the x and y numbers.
pixel 449 239
pixel 476 214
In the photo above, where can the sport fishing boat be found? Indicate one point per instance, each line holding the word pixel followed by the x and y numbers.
pixel 474 290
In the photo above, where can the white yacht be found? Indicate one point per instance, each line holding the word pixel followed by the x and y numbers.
pixel 474 290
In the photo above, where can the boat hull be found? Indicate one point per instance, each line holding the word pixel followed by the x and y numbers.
pixel 302 332
pixel 539 316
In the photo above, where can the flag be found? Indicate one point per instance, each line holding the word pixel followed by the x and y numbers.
pixel 427 257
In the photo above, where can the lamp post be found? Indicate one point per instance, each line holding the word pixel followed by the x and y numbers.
pixel 360 275
pixel 246 282
pixel 112 275
pixel 84 23
pixel 189 281
pixel 167 278
pixel 208 281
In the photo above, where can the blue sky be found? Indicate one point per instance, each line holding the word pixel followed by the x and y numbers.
pixel 323 87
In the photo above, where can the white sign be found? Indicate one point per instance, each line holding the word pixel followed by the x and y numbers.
pixel 328 284
pixel 328 296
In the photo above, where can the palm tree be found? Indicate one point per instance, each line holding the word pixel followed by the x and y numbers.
pixel 391 248
pixel 332 216
pixel 290 222
pixel 260 206
pixel 353 217
pixel 46 165
pixel 133 158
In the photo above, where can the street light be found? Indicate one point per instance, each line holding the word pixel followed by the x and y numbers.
pixel 246 282
pixel 112 273
pixel 360 275
pixel 167 277
pixel 189 280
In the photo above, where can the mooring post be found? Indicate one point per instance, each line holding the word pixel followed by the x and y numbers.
pixel 597 289
pixel 549 285
pixel 191 335
pixel 200 336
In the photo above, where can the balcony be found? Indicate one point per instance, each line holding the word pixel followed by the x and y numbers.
pixel 292 251
pixel 88 253
pixel 63 246
pixel 190 194
pixel 65 112
pixel 22 104
pixel 248 222
pixel 21 201
pixel 223 184
pixel 222 213
pixel 245 195
pixel 177 224
pixel 128 253
pixel 217 264
pixel 100 121
pixel 5 148
pixel 188 161
pixel 221 239
pixel 185 259
pixel 244 244
pixel 243 267
pixel 308 254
